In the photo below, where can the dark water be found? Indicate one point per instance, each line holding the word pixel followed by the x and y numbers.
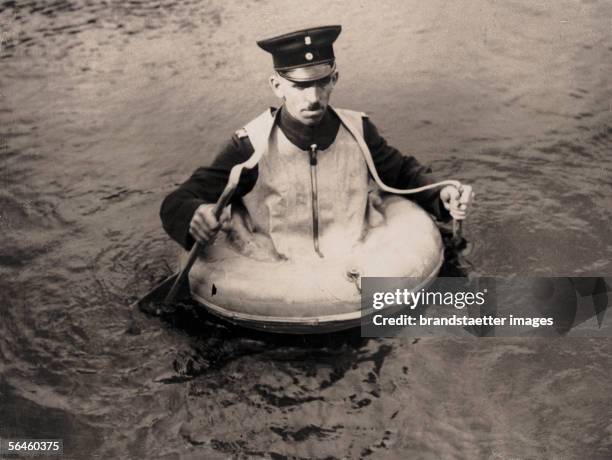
pixel 106 106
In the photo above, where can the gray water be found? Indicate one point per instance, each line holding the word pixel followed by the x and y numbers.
pixel 105 106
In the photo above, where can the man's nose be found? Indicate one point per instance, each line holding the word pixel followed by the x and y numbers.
pixel 312 94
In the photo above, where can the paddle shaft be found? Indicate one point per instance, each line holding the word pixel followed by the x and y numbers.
pixel 221 203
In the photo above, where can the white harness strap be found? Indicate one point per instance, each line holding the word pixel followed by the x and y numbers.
pixel 258 131
pixel 349 119
pixel 260 128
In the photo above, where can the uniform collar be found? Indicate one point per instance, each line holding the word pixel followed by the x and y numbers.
pixel 323 134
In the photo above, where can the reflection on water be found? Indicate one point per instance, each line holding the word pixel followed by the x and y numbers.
pixel 106 105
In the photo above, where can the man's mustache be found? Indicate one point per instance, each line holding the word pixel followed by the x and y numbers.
pixel 313 107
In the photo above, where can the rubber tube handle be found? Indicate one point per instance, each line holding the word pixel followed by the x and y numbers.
pixel 457 224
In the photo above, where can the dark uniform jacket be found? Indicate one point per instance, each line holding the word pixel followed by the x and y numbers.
pixel 207 183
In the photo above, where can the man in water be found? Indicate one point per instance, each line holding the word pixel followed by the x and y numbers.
pixel 312 171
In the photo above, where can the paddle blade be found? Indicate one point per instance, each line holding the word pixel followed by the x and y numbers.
pixel 151 301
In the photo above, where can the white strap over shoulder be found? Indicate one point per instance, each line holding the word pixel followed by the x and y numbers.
pixel 352 118
pixel 353 122
pixel 258 130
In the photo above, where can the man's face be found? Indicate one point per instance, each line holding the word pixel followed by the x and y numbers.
pixel 307 101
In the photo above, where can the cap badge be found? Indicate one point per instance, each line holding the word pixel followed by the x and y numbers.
pixel 308 56
pixel 307 40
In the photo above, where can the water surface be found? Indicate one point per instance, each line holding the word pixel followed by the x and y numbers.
pixel 105 106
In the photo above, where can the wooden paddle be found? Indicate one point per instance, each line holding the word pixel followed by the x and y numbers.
pixel 167 290
pixel 223 200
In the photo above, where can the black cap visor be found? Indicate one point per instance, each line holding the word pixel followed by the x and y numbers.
pixel 308 73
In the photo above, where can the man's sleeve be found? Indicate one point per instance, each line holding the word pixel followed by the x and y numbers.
pixel 402 171
pixel 205 186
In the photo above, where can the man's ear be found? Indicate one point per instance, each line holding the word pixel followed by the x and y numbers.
pixel 335 76
pixel 275 84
